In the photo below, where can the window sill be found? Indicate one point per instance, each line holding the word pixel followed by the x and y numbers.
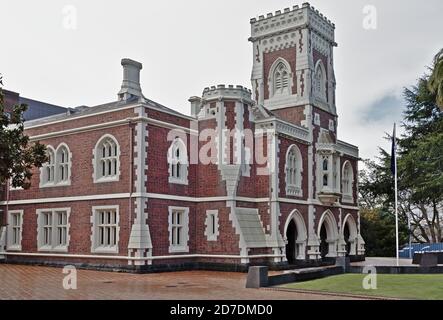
pixel 55 185
pixel 110 250
pixel 14 248
pixel 107 180
pixel 179 182
pixel 178 249
pixel 294 192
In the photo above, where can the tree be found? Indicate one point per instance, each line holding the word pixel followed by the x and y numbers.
pixel 378 230
pixel 17 155
pixel 420 167
pixel 436 79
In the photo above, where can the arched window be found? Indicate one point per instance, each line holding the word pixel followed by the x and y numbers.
pixel 294 168
pixel 47 176
pixel 347 180
pixel 320 81
pixel 325 171
pixel 178 162
pixel 280 78
pixel 63 164
pixel 107 160
pixel 57 171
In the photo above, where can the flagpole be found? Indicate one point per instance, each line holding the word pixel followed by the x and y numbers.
pixel 396 195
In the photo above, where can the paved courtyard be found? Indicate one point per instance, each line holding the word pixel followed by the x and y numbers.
pixel 31 282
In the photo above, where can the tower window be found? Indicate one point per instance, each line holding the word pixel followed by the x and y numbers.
pixel 320 81
pixel 280 79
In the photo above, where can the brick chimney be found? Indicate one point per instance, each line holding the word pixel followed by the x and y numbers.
pixel 131 80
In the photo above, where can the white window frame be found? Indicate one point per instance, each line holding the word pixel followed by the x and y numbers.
pixel 331 125
pixel 182 160
pixel 320 78
pixel 10 245
pixel 348 190
pixel 183 247
pixel 212 230
pixel 95 246
pixel 286 83
pixel 97 160
pixel 66 166
pixel 317 120
pixel 294 171
pixel 54 167
pixel 53 225
pixel 48 167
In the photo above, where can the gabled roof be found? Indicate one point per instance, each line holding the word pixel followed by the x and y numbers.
pixel 73 113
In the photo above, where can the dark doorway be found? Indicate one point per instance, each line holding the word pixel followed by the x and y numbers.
pixel 347 234
pixel 324 246
pixel 291 247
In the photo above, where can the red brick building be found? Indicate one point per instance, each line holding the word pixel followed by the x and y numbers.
pixel 246 179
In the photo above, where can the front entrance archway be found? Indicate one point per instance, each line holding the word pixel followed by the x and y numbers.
pixel 328 235
pixel 295 237
pixel 291 247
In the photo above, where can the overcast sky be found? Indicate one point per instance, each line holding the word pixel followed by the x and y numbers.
pixel 188 45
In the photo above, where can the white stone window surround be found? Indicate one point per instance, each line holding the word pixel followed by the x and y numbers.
pixel 15 230
pixel 50 228
pixel 178 162
pixel 280 81
pixel 178 230
pixel 331 125
pixel 320 81
pixel 317 119
pixel 106 156
pixel 348 183
pixel 294 171
pixel 57 171
pixel 108 227
pixel 212 230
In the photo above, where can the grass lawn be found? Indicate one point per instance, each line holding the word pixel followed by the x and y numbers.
pixel 427 287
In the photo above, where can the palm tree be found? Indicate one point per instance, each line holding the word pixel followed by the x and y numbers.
pixel 436 79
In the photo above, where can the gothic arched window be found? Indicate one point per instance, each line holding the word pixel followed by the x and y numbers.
pixel 294 168
pixel 63 164
pixel 279 81
pixel 47 176
pixel 320 81
pixel 178 162
pixel 348 179
pixel 107 160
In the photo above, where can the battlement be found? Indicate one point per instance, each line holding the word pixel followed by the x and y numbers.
pixel 227 92
pixel 298 17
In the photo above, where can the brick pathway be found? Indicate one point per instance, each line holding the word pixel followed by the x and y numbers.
pixel 29 282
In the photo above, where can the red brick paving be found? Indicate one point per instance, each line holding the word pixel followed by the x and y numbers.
pixel 42 283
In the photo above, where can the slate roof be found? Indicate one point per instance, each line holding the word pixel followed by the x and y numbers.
pixel 72 113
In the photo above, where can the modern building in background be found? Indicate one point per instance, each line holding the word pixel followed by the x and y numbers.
pixel 36 109
pixel 126 186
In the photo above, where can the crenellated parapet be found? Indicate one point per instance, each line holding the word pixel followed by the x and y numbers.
pixel 291 20
pixel 229 92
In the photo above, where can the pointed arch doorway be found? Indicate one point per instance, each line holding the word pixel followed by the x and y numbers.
pixel 295 237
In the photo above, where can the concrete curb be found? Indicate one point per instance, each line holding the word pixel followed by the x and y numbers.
pixel 334 294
